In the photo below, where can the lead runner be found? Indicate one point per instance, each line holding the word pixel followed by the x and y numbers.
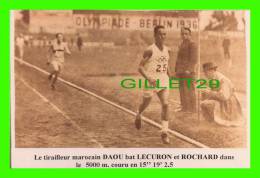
pixel 154 68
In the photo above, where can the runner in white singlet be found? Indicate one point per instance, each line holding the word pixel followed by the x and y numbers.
pixel 154 68
pixel 57 51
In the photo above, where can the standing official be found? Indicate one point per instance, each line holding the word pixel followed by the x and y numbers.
pixel 185 68
pixel 20 45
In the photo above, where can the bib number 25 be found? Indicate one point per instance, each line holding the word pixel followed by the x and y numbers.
pixel 161 68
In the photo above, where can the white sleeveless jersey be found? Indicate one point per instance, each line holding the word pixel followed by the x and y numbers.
pixel 58 50
pixel 156 67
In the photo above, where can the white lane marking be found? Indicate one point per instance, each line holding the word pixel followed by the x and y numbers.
pixel 61 112
pixel 145 119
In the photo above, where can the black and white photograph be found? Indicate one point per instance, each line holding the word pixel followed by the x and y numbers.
pixel 130 88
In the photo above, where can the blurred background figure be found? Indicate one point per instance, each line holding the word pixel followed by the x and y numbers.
pixel 71 42
pixel 20 45
pixel 45 41
pixel 226 49
pixel 26 40
pixel 79 42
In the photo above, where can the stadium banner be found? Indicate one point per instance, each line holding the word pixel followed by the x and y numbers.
pixel 70 21
pixel 133 22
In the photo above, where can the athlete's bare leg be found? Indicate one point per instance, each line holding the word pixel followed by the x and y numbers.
pixel 55 74
pixel 163 96
pixel 145 103
pixel 51 74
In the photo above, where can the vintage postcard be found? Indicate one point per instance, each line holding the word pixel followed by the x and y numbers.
pixel 130 89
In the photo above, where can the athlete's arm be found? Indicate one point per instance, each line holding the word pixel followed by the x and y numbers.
pixel 146 56
pixel 49 55
pixel 169 72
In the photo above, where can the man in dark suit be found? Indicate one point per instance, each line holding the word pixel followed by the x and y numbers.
pixel 185 68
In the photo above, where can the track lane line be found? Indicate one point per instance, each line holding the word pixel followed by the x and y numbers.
pixel 145 119
pixel 60 111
